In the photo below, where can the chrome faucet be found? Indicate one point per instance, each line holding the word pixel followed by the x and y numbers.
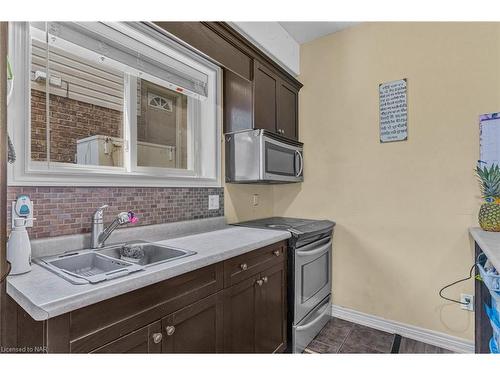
pixel 101 234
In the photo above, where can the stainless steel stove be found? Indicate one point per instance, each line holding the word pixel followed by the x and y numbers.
pixel 309 275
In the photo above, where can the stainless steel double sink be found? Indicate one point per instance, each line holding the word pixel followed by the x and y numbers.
pixel 97 265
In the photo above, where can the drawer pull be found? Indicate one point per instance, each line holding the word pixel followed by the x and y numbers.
pixel 244 266
pixel 259 282
pixel 276 253
pixel 157 337
pixel 170 330
pixel 264 279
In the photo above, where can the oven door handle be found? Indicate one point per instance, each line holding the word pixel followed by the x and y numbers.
pixel 319 250
pixel 301 163
pixel 316 320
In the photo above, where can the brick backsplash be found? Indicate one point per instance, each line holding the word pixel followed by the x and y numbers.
pixel 68 210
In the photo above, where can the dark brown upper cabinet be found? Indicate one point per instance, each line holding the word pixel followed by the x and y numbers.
pixel 212 39
pixel 238 102
pixel 287 103
pixel 275 102
pixel 258 93
pixel 266 85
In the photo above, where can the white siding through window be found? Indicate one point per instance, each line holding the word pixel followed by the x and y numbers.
pixel 80 80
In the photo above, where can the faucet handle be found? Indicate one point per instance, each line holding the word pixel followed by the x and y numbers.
pixel 127 217
pixel 122 218
pixel 98 213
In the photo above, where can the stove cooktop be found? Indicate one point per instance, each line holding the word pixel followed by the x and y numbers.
pixel 297 227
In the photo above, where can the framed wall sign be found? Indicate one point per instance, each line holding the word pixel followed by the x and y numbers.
pixel 393 111
pixel 489 139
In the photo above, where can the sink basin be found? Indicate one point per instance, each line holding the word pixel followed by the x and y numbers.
pixel 87 266
pixel 94 266
pixel 148 254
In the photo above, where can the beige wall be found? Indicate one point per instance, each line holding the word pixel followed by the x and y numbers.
pixel 402 209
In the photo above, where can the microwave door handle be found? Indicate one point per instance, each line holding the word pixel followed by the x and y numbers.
pixel 301 163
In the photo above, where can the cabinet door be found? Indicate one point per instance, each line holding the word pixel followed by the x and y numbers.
pixel 197 328
pixel 287 103
pixel 238 103
pixel 271 310
pixel 240 317
pixel 265 93
pixel 143 340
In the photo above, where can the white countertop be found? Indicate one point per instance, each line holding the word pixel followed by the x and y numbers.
pixel 44 295
pixel 489 242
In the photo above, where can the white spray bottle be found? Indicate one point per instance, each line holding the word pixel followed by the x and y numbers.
pixel 19 248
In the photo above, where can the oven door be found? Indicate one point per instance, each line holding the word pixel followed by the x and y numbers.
pixel 313 276
pixel 281 161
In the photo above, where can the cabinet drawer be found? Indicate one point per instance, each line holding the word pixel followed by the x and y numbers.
pixel 244 266
pixel 140 341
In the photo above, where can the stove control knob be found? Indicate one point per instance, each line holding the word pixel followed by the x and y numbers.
pixel 276 253
pixel 244 266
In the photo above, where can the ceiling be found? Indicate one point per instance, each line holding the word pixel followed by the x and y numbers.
pixel 304 32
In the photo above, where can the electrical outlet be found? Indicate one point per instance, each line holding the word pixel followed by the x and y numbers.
pixel 213 202
pixel 469 299
pixel 255 199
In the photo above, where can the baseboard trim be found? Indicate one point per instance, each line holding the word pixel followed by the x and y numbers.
pixel 439 339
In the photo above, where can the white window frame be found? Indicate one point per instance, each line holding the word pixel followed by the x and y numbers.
pixel 204 170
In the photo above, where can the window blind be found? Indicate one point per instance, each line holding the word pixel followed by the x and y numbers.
pixel 128 49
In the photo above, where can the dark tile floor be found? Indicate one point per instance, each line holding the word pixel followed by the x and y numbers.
pixel 341 336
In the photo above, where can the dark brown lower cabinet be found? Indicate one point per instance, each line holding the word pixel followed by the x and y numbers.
pixel 144 340
pixel 255 313
pixel 197 328
pixel 271 311
pixel 238 305
pixel 240 316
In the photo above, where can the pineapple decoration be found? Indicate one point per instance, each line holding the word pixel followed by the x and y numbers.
pixel 489 214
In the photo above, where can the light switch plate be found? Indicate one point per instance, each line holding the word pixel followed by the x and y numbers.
pixel 213 202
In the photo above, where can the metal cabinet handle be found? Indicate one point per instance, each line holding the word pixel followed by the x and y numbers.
pixel 244 266
pixel 301 158
pixel 276 253
pixel 264 279
pixel 157 337
pixel 259 282
pixel 170 330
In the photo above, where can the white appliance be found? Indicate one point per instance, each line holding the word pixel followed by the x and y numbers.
pixel 100 150
pixel 107 151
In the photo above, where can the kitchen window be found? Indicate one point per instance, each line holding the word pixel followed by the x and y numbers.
pixel 97 103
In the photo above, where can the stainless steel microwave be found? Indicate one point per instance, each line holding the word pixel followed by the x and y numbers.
pixel 259 156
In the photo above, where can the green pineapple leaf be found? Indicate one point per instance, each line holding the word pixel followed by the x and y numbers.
pixel 489 180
